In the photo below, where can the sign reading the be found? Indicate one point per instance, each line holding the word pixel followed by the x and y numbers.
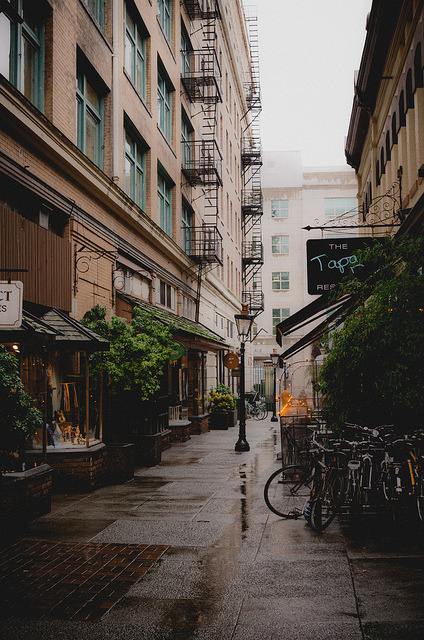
pixel 328 261
pixel 11 304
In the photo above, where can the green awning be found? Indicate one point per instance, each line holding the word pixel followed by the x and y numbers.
pixel 183 325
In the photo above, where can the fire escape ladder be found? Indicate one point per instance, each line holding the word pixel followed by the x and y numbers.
pixel 251 195
pixel 201 159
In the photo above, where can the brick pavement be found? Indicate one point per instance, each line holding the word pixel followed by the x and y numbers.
pixel 70 581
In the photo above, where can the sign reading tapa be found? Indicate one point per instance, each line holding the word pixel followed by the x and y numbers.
pixel 329 260
pixel 11 296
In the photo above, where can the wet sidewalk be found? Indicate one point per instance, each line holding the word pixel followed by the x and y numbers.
pixel 188 550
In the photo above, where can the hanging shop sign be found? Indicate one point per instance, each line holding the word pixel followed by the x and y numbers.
pixel 178 351
pixel 231 360
pixel 329 260
pixel 11 304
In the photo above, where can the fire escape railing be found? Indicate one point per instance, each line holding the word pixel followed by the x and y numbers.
pixel 202 162
pixel 203 244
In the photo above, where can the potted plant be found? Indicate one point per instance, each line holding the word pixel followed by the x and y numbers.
pixel 222 407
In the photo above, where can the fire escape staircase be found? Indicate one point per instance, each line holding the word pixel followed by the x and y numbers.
pixel 251 196
pixel 201 159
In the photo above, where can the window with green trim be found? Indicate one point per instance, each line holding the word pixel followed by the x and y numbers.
pixel 97 10
pixel 22 49
pixel 280 281
pixel 186 50
pixel 278 315
pixel 187 225
pixel 135 169
pixel 280 244
pixel 164 10
pixel 280 208
pixel 186 140
pixel 89 119
pixel 165 105
pixel 165 203
pixel 135 51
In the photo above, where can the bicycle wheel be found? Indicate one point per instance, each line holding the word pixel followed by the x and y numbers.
pixel 261 413
pixel 287 490
pixel 420 496
pixel 328 501
pixel 264 412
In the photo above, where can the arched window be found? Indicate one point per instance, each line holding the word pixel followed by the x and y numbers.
pixel 394 129
pixel 402 112
pixel 377 173
pixel 388 150
pixel 418 68
pixel 409 91
pixel 382 163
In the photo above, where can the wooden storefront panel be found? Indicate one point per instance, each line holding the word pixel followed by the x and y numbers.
pixel 26 245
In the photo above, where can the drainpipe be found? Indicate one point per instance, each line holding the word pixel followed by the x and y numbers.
pixel 115 92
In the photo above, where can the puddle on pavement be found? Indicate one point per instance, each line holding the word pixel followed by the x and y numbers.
pixel 220 564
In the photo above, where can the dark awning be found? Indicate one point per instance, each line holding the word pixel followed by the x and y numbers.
pixel 54 328
pixel 336 312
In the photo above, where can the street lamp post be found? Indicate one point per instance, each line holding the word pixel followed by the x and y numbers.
pixel 243 323
pixel 274 357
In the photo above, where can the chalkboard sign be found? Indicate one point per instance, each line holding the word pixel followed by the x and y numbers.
pixel 328 261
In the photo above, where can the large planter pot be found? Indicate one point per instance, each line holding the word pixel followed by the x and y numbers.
pixel 232 417
pixel 219 420
pixel 120 462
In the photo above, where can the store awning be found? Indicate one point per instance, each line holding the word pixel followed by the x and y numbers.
pixel 71 334
pixel 54 328
pixel 312 313
pixel 184 326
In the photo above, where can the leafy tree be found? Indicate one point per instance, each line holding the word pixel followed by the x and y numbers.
pixel 19 418
pixel 374 371
pixel 138 352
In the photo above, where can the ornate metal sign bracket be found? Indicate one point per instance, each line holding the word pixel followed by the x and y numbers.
pixel 83 257
pixel 383 212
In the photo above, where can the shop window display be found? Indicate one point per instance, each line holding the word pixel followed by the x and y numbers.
pixel 63 401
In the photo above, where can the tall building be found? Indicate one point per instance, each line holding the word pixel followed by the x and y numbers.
pixel 385 142
pixel 295 197
pixel 122 178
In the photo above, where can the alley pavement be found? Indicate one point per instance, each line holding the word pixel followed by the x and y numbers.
pixel 188 550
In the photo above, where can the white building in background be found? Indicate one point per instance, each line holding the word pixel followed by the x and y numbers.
pixel 293 198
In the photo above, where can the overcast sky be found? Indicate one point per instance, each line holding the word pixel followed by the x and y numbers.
pixel 309 51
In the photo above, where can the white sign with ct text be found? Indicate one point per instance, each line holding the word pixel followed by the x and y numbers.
pixel 11 304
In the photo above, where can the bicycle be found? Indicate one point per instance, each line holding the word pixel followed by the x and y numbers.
pixel 256 411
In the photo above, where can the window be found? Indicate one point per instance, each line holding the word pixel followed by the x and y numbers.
pixel 164 9
pixel 186 50
pixel 338 206
pixel 280 244
pixel 96 8
pixel 186 140
pixel 280 281
pixel 187 225
pixel 188 308
pixel 21 50
pixel 135 52
pixel 280 208
pixel 230 329
pixel 278 315
pixel 165 294
pixel 89 119
pixel 134 169
pixel 164 104
pixel 165 203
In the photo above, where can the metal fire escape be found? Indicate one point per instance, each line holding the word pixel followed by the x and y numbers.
pixel 201 159
pixel 252 202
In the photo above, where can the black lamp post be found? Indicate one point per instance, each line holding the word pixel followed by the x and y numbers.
pixel 243 323
pixel 274 357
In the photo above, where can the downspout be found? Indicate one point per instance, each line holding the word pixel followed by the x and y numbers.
pixel 115 93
